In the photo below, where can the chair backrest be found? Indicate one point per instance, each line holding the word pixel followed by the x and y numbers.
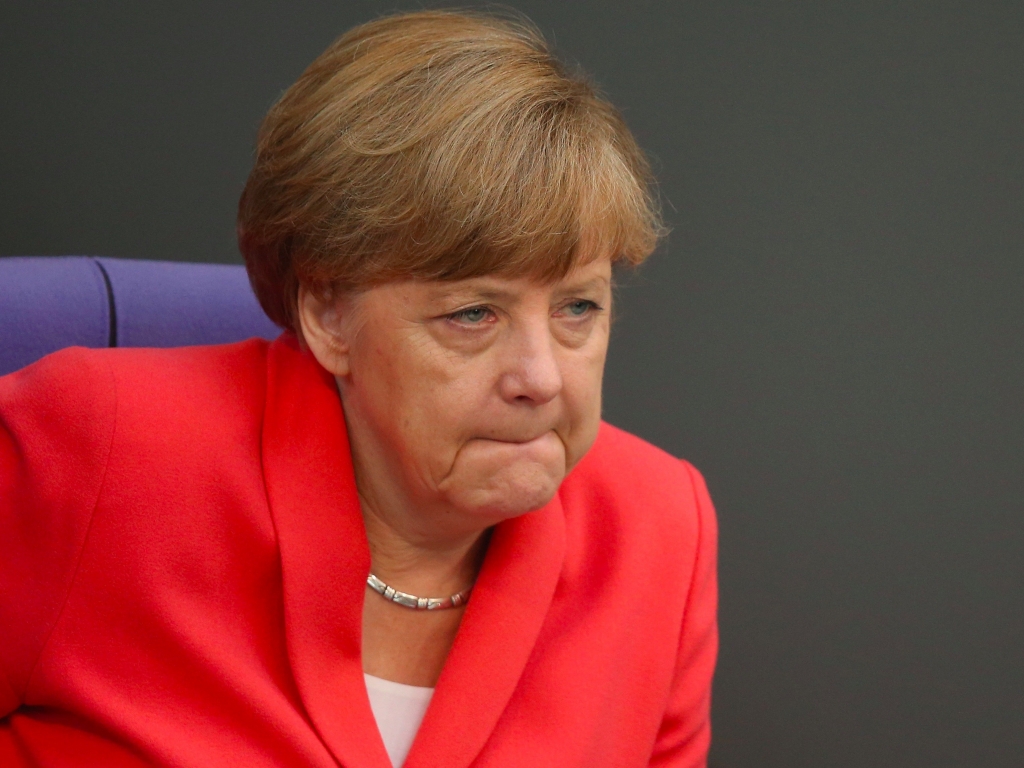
pixel 51 302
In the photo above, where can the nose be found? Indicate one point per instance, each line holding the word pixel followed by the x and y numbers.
pixel 533 375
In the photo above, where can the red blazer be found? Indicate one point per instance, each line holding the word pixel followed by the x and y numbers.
pixel 182 570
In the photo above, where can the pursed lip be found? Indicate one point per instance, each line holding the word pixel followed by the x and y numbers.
pixel 515 441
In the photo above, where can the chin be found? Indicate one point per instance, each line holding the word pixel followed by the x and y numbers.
pixel 524 500
pixel 513 492
pixel 497 507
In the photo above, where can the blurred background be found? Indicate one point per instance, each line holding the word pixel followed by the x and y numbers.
pixel 832 333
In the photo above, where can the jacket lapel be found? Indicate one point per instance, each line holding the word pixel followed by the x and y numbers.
pixel 324 555
pixel 498 632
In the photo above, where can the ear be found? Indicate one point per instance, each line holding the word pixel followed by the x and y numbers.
pixel 325 328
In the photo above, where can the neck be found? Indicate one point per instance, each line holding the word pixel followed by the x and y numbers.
pixel 419 566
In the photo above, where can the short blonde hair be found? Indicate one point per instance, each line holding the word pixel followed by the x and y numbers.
pixel 439 145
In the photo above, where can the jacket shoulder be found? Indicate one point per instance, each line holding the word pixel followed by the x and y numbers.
pixel 197 405
pixel 628 466
pixel 627 489
pixel 57 416
pixel 63 417
pixel 189 368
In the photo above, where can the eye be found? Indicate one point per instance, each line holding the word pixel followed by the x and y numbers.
pixel 471 316
pixel 580 308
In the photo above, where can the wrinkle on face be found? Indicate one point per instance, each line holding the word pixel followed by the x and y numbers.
pixel 451 417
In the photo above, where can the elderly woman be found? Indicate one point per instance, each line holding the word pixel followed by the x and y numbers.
pixel 401 531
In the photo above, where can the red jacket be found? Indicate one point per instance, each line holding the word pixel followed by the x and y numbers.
pixel 182 571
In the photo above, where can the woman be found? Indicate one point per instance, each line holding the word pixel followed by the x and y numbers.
pixel 286 554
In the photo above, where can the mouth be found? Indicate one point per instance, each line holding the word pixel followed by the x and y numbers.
pixel 517 441
pixel 539 448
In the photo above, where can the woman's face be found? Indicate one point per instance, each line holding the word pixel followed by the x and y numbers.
pixel 474 397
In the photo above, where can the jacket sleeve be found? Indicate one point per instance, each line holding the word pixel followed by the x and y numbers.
pixel 56 428
pixel 685 733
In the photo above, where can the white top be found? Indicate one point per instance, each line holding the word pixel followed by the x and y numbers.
pixel 398 710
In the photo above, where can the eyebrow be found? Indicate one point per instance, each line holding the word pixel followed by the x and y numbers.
pixel 495 293
pixel 469 294
pixel 586 285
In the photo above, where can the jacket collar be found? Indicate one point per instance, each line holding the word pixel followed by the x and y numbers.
pixel 324 563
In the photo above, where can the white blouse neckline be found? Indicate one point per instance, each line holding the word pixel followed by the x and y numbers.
pixel 398 709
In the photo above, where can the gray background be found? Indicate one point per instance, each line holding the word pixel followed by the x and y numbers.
pixel 832 333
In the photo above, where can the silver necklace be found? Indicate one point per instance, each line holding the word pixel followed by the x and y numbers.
pixel 417 603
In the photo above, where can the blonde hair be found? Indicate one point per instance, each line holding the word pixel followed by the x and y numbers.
pixel 439 145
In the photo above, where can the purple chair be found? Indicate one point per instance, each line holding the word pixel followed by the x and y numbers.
pixel 51 302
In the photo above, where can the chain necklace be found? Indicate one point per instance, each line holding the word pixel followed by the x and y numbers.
pixel 414 602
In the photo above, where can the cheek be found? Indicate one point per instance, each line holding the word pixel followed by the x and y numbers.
pixel 583 405
pixel 383 389
pixel 429 406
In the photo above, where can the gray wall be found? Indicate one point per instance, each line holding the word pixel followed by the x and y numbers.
pixel 832 332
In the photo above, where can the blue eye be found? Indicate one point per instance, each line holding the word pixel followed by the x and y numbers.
pixel 580 307
pixel 472 315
